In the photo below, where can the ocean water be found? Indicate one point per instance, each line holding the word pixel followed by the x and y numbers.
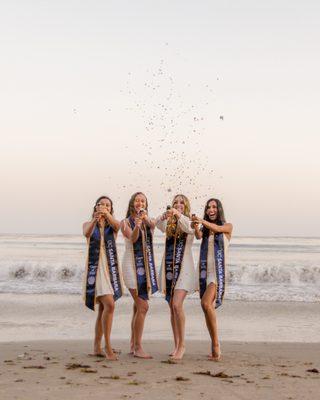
pixel 258 268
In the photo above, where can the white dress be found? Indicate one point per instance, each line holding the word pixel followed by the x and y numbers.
pixel 187 278
pixel 211 266
pixel 128 267
pixel 103 284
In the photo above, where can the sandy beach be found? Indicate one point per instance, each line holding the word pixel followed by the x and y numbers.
pixel 63 369
pixel 270 350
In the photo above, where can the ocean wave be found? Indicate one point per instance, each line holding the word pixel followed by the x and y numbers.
pixel 237 274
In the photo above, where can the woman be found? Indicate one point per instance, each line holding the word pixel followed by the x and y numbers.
pixel 177 274
pixel 215 234
pixel 103 277
pixel 139 271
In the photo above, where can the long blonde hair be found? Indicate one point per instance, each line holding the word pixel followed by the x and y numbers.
pixel 172 225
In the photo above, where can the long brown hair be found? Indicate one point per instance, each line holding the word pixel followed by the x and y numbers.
pixel 172 226
pixel 131 210
pixel 98 201
pixel 220 218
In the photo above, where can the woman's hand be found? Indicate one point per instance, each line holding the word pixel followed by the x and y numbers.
pixel 173 213
pixel 97 215
pixel 106 214
pixel 138 222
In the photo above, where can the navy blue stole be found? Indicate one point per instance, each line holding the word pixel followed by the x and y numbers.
pixel 174 252
pixel 219 258
pixel 93 262
pixel 144 262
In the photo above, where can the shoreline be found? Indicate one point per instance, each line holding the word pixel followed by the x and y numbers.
pixel 64 317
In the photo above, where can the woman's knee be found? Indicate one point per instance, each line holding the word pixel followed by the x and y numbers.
pixel 142 307
pixel 108 305
pixel 206 305
pixel 177 307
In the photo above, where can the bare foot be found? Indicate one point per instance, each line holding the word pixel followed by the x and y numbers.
pixel 111 356
pixel 97 352
pixel 179 353
pixel 131 347
pixel 173 353
pixel 141 354
pixel 216 354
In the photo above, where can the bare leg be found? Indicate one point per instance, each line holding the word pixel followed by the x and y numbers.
pixel 177 303
pixel 207 304
pixel 174 330
pixel 138 324
pixel 107 302
pixel 97 350
pixel 132 325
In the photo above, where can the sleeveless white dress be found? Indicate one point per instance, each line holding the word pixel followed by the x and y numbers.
pixel 187 278
pixel 128 267
pixel 211 266
pixel 103 284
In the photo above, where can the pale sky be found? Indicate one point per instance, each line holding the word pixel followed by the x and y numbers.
pixel 209 98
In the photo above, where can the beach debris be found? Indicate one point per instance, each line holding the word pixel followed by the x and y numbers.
pixel 62 377
pixel 89 370
pixel 290 376
pixel 47 358
pixel 24 356
pixel 19 380
pixel 131 373
pixel 115 377
pixel 182 379
pixel 76 366
pixel 34 367
pixel 169 361
pixel 136 383
pixel 313 370
pixel 99 355
pixel 220 374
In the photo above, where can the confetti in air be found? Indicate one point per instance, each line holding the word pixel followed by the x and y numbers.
pixel 174 123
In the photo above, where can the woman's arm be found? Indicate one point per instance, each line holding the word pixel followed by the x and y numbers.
pixel 88 227
pixel 184 223
pixel 130 234
pixel 197 231
pixel 112 221
pixel 161 222
pixel 151 222
pixel 226 228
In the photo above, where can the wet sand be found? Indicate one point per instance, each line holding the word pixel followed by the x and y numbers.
pixel 270 351
pixel 63 369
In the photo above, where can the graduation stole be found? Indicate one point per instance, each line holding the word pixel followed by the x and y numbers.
pixel 145 268
pixel 93 261
pixel 219 261
pixel 175 247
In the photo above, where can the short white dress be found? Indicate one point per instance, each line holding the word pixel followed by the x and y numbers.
pixel 211 266
pixel 187 278
pixel 128 267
